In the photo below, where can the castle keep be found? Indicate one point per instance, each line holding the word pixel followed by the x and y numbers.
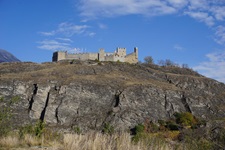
pixel 118 55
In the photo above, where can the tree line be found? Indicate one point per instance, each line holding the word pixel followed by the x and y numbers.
pixel 166 63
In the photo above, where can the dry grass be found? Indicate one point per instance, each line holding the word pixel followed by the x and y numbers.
pixel 9 141
pixel 97 141
pixel 31 140
pixel 89 141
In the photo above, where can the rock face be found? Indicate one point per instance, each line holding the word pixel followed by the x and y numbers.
pixel 89 94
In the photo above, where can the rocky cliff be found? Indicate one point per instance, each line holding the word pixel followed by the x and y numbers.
pixel 89 94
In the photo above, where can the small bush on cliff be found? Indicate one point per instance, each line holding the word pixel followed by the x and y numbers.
pixel 185 119
pixel 140 128
pixel 27 129
pixel 77 130
pixel 172 125
pixel 39 128
pixel 15 99
pixel 108 129
pixel 139 132
pixel 36 130
pixel 1 99
pixel 5 117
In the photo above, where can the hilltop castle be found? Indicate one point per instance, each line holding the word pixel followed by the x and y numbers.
pixel 118 55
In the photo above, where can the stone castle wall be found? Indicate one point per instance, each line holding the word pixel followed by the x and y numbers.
pixel 118 55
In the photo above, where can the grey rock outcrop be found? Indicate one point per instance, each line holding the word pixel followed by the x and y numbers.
pixel 88 95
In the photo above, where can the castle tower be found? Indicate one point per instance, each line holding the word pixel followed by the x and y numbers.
pixel 57 56
pixel 121 52
pixel 101 55
pixel 136 52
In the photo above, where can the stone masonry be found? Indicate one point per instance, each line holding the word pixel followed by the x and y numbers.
pixel 118 55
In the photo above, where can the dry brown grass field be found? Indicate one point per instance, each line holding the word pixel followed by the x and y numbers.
pixel 89 141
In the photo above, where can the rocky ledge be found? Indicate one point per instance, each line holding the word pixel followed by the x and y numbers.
pixel 89 94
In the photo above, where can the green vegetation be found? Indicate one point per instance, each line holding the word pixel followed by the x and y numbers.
pixel 108 129
pixel 77 130
pixel 170 134
pixel 36 130
pixel 15 100
pixel 185 130
pixel 185 119
pixel 1 99
pixel 5 117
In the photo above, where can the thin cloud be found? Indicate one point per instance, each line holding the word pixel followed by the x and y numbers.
pixel 110 8
pixel 178 47
pixel 214 67
pixel 220 35
pixel 58 45
pixel 178 3
pixel 202 17
pixel 219 12
pixel 53 45
pixel 65 39
pixel 210 12
pixel 47 33
pixel 67 29
pixel 102 26
pixel 206 11
pixel 91 34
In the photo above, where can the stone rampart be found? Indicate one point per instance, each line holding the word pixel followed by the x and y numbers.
pixel 118 55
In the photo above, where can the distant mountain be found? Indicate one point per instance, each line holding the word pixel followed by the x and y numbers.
pixel 7 57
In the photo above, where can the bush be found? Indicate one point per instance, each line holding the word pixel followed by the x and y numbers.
pixel 150 127
pixel 36 130
pixel 77 130
pixel 140 128
pixel 1 99
pixel 15 99
pixel 108 129
pixel 5 117
pixel 185 119
pixel 39 128
pixel 27 129
pixel 148 60
pixel 171 125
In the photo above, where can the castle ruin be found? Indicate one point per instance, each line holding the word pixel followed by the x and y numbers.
pixel 118 55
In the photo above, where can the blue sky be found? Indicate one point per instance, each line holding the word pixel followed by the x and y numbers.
pixel 185 31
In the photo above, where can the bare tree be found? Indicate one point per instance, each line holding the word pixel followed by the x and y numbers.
pixel 185 66
pixel 148 60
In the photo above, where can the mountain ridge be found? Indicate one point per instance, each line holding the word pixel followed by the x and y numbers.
pixel 5 56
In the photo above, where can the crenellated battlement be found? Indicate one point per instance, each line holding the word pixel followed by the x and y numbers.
pixel 118 55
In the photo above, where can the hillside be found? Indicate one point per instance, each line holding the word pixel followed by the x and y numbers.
pixel 89 94
pixel 7 57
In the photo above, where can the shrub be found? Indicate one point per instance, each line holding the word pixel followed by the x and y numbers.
pixel 15 99
pixel 5 117
pixel 185 119
pixel 139 131
pixel 171 125
pixel 139 128
pixel 27 129
pixel 36 130
pixel 1 99
pixel 148 60
pixel 77 130
pixel 39 128
pixel 150 127
pixel 108 129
